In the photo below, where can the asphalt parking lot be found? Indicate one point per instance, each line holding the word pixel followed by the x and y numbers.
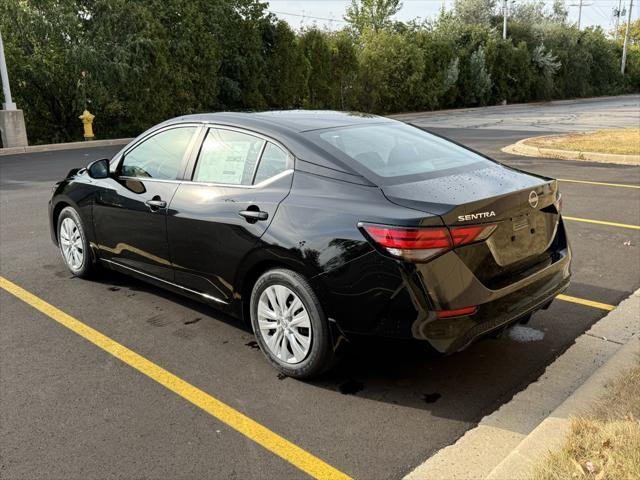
pixel 69 409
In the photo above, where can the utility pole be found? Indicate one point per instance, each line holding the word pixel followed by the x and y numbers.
pixel 580 5
pixel 618 13
pixel 626 39
pixel 8 104
pixel 504 19
pixel 579 14
pixel 12 129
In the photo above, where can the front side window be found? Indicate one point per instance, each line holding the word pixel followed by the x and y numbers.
pixel 159 156
pixel 228 157
pixel 273 162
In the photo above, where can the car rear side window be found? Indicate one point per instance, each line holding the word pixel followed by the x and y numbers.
pixel 160 156
pixel 228 157
pixel 395 150
pixel 273 162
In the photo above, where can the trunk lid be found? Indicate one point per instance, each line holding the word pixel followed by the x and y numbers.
pixel 521 205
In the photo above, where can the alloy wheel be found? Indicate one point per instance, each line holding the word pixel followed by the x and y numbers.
pixel 71 244
pixel 284 324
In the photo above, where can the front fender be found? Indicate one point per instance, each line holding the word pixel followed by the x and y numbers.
pixel 79 195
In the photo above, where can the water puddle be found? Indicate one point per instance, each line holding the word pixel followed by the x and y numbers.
pixel 522 334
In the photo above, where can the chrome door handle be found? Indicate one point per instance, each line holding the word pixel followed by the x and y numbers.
pixel 156 204
pixel 253 215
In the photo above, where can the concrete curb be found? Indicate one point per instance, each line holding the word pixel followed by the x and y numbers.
pixel 551 433
pixel 64 146
pixel 521 148
pixel 478 453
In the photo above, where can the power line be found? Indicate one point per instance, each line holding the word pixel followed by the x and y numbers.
pixel 581 4
pixel 307 16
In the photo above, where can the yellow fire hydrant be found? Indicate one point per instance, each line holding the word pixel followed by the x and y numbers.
pixel 87 121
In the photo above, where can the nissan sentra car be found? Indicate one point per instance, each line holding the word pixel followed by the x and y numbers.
pixel 317 226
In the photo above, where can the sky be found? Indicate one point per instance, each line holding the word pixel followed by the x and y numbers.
pixel 299 12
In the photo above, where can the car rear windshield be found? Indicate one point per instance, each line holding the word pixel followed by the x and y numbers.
pixel 397 152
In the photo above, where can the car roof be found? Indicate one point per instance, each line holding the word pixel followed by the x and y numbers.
pixel 296 121
pixel 287 127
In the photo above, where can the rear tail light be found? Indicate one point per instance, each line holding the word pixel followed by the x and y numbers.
pixel 420 244
pixel 414 244
pixel 465 235
pixel 459 312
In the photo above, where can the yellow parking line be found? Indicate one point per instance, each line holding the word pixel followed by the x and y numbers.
pixel 601 222
pixel 603 184
pixel 258 433
pixel 588 303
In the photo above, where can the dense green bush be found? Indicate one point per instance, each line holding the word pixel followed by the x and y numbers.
pixel 391 69
pixel 136 63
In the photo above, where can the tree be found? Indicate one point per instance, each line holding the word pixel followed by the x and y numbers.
pixel 287 68
pixel 559 11
pixel 237 26
pixel 634 32
pixel 138 63
pixel 475 11
pixel 151 63
pixel 441 55
pixel 534 12
pixel 344 65
pixel 510 69
pixel 374 14
pixel 391 69
pixel 481 86
pixel 315 46
pixel 45 56
pixel 546 65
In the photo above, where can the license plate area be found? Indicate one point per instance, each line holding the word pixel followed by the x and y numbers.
pixel 521 236
pixel 520 223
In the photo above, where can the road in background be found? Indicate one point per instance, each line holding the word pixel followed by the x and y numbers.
pixel 547 117
pixel 69 410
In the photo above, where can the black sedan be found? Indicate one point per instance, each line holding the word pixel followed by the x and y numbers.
pixel 318 226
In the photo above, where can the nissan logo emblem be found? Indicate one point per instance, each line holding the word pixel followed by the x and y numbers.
pixel 533 199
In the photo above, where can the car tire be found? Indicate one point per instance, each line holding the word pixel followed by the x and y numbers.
pixel 73 244
pixel 304 346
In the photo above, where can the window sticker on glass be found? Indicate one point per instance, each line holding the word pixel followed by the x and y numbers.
pixel 227 157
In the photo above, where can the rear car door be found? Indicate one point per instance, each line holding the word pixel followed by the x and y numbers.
pixel 238 180
pixel 130 210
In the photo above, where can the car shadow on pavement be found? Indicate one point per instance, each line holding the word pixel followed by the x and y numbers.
pixel 410 374
pixel 115 281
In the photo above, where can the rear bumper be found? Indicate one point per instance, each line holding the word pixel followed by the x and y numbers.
pixel 375 295
pixel 496 308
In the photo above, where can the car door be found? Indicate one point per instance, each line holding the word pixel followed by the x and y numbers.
pixel 130 209
pixel 216 218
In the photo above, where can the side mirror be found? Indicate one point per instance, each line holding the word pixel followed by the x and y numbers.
pixel 99 169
